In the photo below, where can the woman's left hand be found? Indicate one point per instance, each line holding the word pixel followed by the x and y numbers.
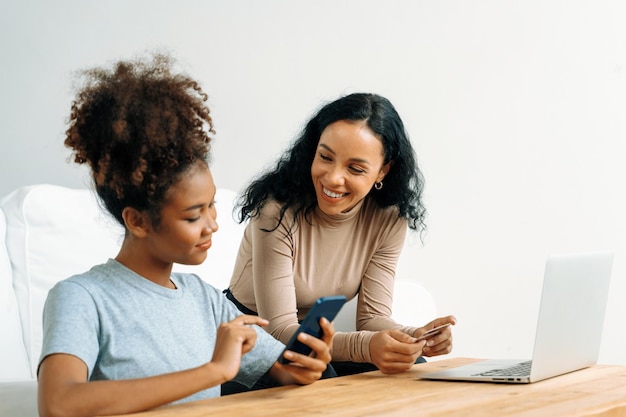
pixel 441 343
pixel 304 369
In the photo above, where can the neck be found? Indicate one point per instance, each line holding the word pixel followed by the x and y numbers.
pixel 147 267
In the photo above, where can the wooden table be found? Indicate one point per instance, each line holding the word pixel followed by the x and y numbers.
pixel 596 391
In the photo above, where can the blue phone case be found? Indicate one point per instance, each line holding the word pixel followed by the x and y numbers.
pixel 324 307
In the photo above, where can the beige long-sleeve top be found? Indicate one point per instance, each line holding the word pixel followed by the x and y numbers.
pixel 280 274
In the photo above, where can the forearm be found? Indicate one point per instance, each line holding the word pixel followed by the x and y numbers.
pixel 352 346
pixel 124 396
pixel 281 376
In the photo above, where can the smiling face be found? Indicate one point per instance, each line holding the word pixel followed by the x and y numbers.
pixel 348 161
pixel 187 220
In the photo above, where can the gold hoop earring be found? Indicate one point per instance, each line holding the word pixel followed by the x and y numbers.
pixel 378 185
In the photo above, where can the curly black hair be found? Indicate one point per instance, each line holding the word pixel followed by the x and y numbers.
pixel 140 127
pixel 290 182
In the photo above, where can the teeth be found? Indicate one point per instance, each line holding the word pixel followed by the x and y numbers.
pixel 333 195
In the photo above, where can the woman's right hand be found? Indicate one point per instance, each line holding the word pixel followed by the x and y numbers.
pixel 233 340
pixel 393 351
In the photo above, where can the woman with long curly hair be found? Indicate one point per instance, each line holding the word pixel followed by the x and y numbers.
pixel 331 218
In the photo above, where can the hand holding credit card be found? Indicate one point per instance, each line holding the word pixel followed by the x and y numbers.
pixel 432 332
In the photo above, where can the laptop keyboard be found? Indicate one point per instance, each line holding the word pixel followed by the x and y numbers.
pixel 521 369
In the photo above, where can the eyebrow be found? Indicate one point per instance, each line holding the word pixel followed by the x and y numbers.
pixel 364 161
pixel 195 207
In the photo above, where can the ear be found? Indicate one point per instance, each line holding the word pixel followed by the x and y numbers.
pixel 137 223
pixel 383 171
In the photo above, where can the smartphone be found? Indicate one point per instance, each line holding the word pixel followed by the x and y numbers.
pixel 324 307
pixel 432 332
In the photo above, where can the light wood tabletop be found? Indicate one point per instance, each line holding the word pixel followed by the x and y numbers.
pixel 599 390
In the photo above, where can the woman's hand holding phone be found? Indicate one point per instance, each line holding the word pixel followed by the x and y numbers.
pixel 306 368
pixel 326 307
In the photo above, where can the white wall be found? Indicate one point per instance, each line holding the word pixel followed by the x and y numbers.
pixel 517 110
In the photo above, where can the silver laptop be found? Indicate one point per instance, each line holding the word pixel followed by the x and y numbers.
pixel 569 327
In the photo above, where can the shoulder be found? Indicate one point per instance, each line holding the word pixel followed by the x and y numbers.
pixel 194 282
pixel 271 208
pixel 77 294
pixel 199 290
pixel 87 281
pixel 270 214
pixel 382 215
pixel 384 223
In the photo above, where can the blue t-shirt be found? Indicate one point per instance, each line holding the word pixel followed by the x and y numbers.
pixel 124 326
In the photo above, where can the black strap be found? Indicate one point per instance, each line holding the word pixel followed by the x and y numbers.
pixel 241 307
